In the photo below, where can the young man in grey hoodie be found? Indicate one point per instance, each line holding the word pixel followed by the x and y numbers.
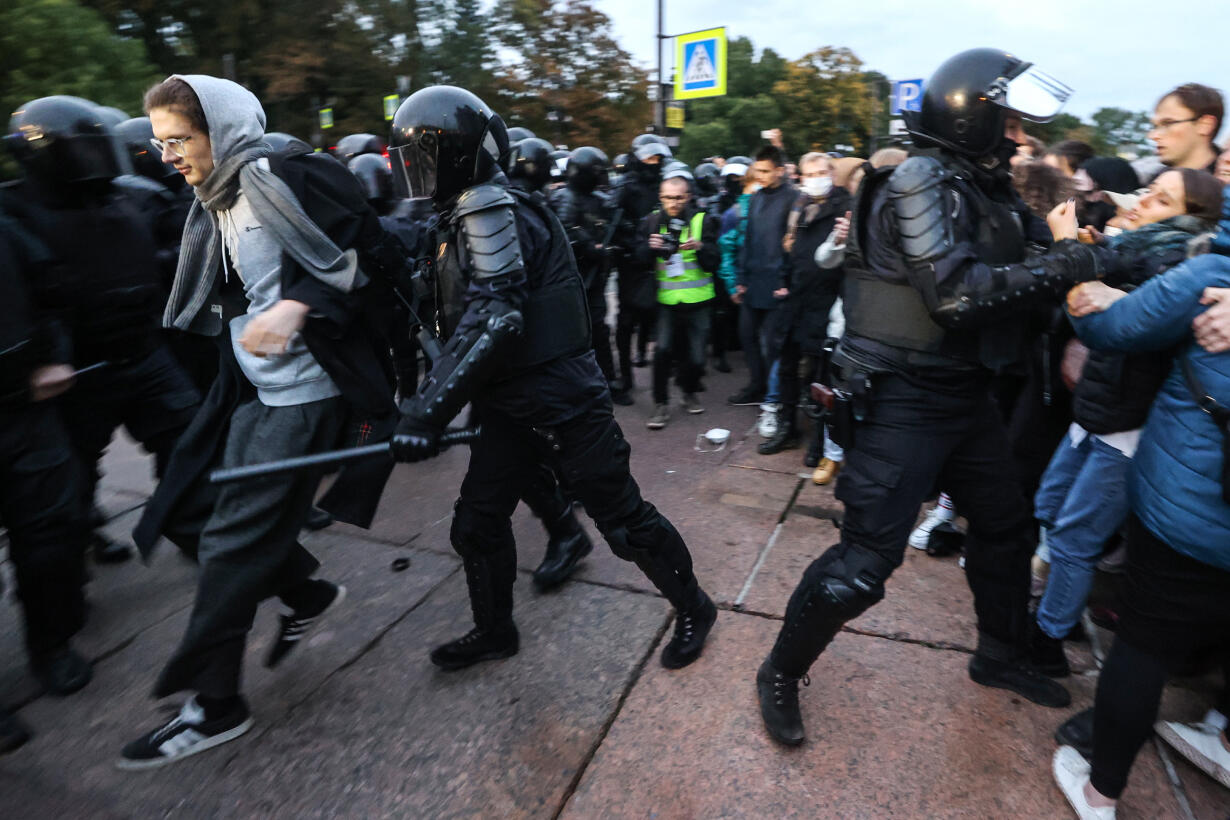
pixel 269 282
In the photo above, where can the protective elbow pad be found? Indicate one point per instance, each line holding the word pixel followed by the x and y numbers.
pixel 466 362
pixel 923 208
pixel 489 232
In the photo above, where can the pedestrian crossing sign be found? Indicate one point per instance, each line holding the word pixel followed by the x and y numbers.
pixel 700 64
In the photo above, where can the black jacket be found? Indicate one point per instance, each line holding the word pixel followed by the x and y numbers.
pixel 1116 390
pixel 804 315
pixel 762 265
pixel 339 332
pixel 708 255
pixel 635 195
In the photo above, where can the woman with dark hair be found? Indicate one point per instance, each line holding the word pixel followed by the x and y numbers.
pixel 1082 499
pixel 1068 156
pixel 1178 542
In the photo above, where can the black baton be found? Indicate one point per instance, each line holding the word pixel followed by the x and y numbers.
pixel 328 459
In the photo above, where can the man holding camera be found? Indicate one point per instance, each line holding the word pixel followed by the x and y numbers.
pixel 680 241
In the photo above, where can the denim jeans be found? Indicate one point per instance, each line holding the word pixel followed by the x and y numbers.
pixel 1081 502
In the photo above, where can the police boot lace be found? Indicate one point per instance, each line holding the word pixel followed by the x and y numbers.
pixel 779 704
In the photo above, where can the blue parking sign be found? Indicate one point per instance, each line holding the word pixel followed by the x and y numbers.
pixel 907 95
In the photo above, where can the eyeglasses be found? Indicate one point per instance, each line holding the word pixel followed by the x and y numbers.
pixel 176 144
pixel 1163 126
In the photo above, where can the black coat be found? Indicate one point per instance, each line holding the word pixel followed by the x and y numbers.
pixel 804 314
pixel 339 332
pixel 1116 390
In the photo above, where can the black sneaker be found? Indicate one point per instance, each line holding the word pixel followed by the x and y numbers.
pixel 317 519
pixel 1021 677
pixel 691 629
pixel 475 646
pixel 778 694
pixel 298 623
pixel 62 671
pixel 622 397
pixel 1077 732
pixel 13 733
pixel 185 734
pixel 746 396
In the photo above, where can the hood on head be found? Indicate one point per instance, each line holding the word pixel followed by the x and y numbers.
pixel 234 115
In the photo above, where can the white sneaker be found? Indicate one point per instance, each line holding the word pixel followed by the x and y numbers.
pixel 937 516
pixel 1071 774
pixel 1201 744
pixel 767 426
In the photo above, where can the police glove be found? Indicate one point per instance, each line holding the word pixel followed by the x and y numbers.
pixel 415 440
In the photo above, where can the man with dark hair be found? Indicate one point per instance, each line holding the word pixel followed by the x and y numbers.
pixel 1068 156
pixel 275 252
pixel 761 267
pixel 1185 123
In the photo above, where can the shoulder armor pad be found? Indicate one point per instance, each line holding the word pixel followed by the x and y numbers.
pixel 489 231
pixel 480 198
pixel 924 207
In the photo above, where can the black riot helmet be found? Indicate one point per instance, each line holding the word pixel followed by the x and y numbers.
pixel 969 96
pixel 376 179
pixel 112 117
pixel 63 140
pixel 587 168
pixel 517 133
pixel 281 141
pixel 135 135
pixel 445 140
pixel 706 175
pixel 620 164
pixel 739 160
pixel 529 163
pixel 354 145
pixel 645 139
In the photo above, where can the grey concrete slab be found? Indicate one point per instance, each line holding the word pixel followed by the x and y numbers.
pixel 896 731
pixel 78 738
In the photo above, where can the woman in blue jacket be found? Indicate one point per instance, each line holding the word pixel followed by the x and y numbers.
pixel 1178 572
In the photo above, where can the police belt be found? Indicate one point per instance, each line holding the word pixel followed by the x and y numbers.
pixel 667 284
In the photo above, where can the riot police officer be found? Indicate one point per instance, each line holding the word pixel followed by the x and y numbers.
pixel 635 196
pixel 937 280
pixel 529 165
pixel 707 178
pixel 40 500
pixel 586 218
pixel 358 145
pixel 512 305
pixel 104 283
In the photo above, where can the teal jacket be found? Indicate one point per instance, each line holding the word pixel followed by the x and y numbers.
pixel 731 240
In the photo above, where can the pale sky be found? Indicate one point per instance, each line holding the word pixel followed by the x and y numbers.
pixel 1125 53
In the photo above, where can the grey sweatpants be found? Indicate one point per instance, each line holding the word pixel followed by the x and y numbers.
pixel 245 538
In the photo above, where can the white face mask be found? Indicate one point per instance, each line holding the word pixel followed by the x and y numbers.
pixel 818 186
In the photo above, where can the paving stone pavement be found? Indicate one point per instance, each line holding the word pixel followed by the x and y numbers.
pixel 583 722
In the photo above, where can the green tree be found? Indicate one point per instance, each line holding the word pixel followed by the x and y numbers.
pixel 1118 129
pixel 825 101
pixel 705 139
pixel 58 47
pixel 1062 127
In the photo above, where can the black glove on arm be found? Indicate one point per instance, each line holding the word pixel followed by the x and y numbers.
pixel 415 439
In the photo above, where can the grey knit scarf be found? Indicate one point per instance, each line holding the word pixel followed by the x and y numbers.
pixel 279 212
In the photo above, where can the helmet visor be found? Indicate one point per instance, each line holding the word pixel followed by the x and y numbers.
pixel 1034 94
pixel 415 166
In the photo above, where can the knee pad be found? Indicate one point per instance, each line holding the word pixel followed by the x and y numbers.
pixel 475 533
pixel 617 538
pixel 850 593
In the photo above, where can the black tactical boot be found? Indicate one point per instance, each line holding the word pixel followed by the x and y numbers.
pixel 691 629
pixel 490 579
pixel 13 733
pixel 786 437
pixel 61 671
pixel 566 546
pixel 1077 732
pixel 317 519
pixel 1046 653
pixel 779 704
pixel 107 551
pixel 1020 676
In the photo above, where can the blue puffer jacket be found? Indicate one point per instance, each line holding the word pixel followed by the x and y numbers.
pixel 1175 484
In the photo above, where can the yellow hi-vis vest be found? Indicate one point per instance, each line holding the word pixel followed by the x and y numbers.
pixel 695 285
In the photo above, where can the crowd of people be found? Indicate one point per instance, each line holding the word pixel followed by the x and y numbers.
pixel 1035 334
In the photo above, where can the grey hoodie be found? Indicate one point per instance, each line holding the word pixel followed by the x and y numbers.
pixel 236 119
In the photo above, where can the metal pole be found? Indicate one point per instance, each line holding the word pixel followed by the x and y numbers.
pixel 660 114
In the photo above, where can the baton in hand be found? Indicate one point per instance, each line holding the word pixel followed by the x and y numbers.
pixel 328 459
